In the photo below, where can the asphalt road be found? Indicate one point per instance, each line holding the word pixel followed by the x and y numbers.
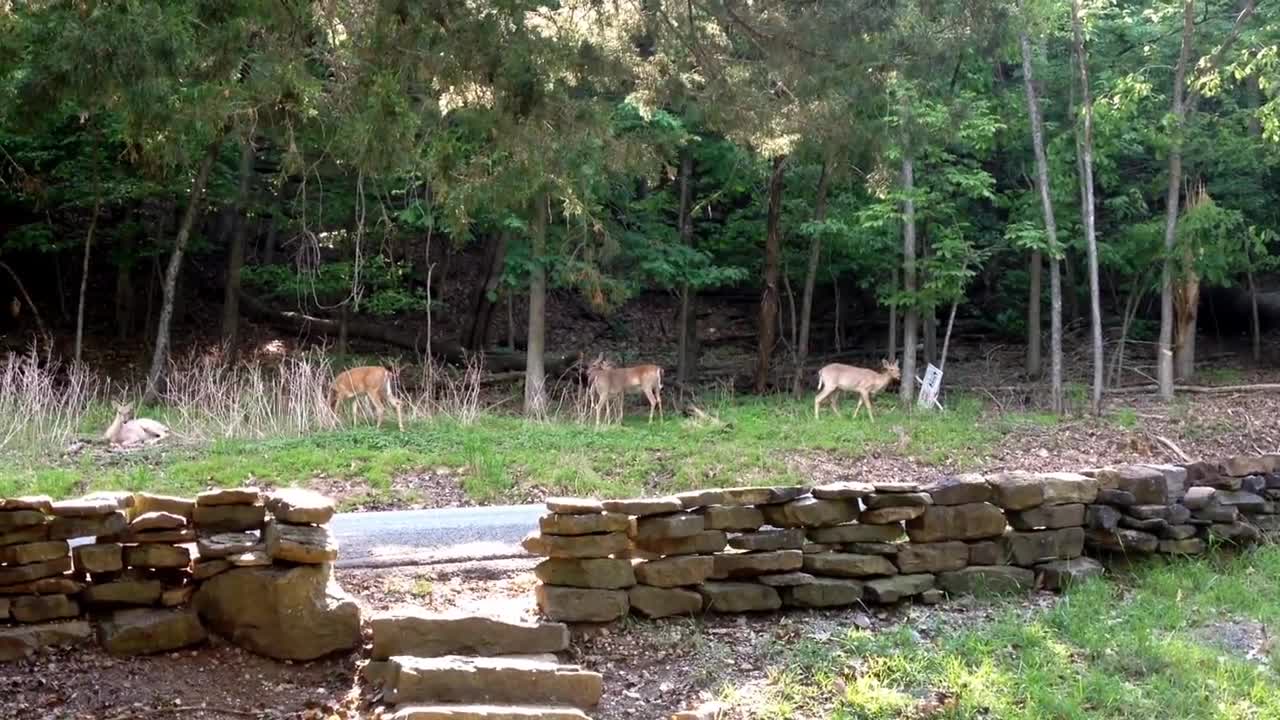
pixel 422 537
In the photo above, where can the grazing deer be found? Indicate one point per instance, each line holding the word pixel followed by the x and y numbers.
pixel 373 382
pixel 606 381
pixel 836 377
pixel 127 431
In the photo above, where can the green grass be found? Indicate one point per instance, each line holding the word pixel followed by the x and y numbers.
pixel 1141 646
pixel 501 453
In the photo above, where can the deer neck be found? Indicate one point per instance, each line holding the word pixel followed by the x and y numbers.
pixel 114 428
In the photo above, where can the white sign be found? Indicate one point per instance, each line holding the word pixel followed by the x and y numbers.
pixel 929 388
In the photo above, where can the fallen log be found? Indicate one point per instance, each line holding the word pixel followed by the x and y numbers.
pixel 449 351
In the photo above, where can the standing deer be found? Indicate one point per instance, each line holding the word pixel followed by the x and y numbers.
pixel 127 431
pixel 836 377
pixel 371 381
pixel 606 381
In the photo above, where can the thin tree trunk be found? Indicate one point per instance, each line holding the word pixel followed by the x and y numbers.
pixel 84 275
pixel 946 338
pixel 687 331
pixel 1090 225
pixel 511 322
pixel 1164 360
pixel 535 390
pixel 487 295
pixel 930 314
pixel 35 312
pixel 273 231
pixel 910 322
pixel 235 257
pixel 769 293
pixel 1186 311
pixel 160 354
pixel 811 273
pixel 1126 321
pixel 893 317
pixel 1255 325
pixel 1034 339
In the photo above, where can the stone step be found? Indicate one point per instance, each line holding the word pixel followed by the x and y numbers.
pixel 456 679
pixel 419 633
pixel 488 712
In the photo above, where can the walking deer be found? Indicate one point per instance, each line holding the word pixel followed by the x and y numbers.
pixel 607 381
pixel 371 381
pixel 836 377
pixel 127 431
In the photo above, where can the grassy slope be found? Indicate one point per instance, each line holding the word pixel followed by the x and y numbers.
pixel 1140 646
pixel 497 453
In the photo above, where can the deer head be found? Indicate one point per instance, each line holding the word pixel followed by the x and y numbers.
pixel 891 369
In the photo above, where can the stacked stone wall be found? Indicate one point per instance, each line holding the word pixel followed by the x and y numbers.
pixel 765 548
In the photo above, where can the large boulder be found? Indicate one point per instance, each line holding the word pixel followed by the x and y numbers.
pixel 413 631
pixel 146 631
pixel 295 613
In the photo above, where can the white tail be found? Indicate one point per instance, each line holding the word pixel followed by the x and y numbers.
pixel 836 377
pixel 125 431
pixel 372 382
pixel 607 382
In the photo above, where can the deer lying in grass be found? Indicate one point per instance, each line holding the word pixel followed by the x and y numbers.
pixel 371 381
pixel 836 377
pixel 127 431
pixel 607 381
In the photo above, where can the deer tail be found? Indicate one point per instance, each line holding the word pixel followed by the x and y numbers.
pixel 821 382
pixel 659 379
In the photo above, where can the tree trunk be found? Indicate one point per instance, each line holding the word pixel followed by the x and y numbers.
pixel 893 318
pixel 1034 339
pixel 160 354
pixel 344 328
pixel 769 293
pixel 1186 306
pixel 273 232
pixel 1255 325
pixel 477 337
pixel 535 390
pixel 1088 204
pixel 235 256
pixel 511 322
pixel 929 321
pixel 811 273
pixel 84 275
pixel 1164 366
pixel 910 321
pixel 687 327
pixel 946 339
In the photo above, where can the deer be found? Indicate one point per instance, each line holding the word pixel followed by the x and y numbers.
pixel 607 381
pixel 128 431
pixel 836 377
pixel 373 382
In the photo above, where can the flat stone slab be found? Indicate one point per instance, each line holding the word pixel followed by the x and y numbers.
pixel 673 525
pixel 791 539
pixel 740 565
pixel 450 711
pixel 1062 574
pixel 737 518
pixel 576 546
pixel 300 507
pixel 704 543
pixel 700 498
pixel 973 521
pixel 843 490
pixel 763 495
pixel 150 502
pixel 585 524
pixel 856 532
pixel 897 499
pixel 41 503
pixel 848 565
pixel 959 490
pixel 823 592
pixel 34 552
pixel 124 592
pixel 42 608
pixel 220 545
pixel 157 520
pixel 915 558
pixel 1031 548
pixel 644 506
pixel 570 604
pixel 156 555
pixel 735 597
pixel 29 534
pixel 84 507
pixel 58 585
pixel 811 512
pixel 992 579
pixel 574 506
pixel 20 574
pixel 893 589
pixel 65 528
pixel 229 496
pixel 146 631
pixel 601 573
pixel 789 579
pixel 25 640
pixel 229 517
pixel 498 680
pixel 11 520
pixel 305 544
pixel 677 571
pixel 414 631
pixel 891 515
pixel 657 602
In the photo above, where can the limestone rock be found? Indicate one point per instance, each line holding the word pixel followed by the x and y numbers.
pixel 734 597
pixel 1121 540
pixel 1119 498
pixel 287 613
pixel 64 528
pixel 915 558
pixel 253 558
pixel 892 589
pixel 1175 479
pixel 656 602
pixel 644 506
pixel 170 537
pixel 57 585
pixel 567 604
pixel 603 573
pixel 964 489
pixel 676 571
pixel 704 543
pixel 856 532
pixel 897 486
pixel 932 596
pixel 1030 548
pixel 157 520
pixel 574 506
pixel 453 679
pixel 41 503
pixel 585 524
pixel 1236 532
pixel 787 579
pixel 414 631
pixel 471 711
pixel 987 552
pixel 1218 514
pixel 155 555
pixel 229 517
pixel 674 525
pixel 843 490
pixel 309 544
pixel 792 539
pixel 1154 525
pixel 823 592
pixel 146 631
pixel 1101 517
pixel 11 520
pixel 98 558
pixel 848 565
pixel 868 548
pixel 220 545
pixel 1178 532
pixel 36 552
pixel 987 579
pixel 973 521
pixel 298 506
pixel 576 546
pixel 1022 491
pixel 149 502
pixel 811 547
pixel 737 518
pixel 41 608
pixel 811 512
pixel 26 640
pixel 126 591
pixel 902 499
pixel 205 568
pixel 84 507
pixel 229 496
pixel 123 499
pixel 763 495
pixel 740 565
pixel 1189 546
pixel 1243 501
pixel 700 498
pixel 30 534
pixel 1147 485
pixel 890 515
pixel 177 596
pixel 19 574
pixel 1049 517
pixel 1242 465
pixel 1061 574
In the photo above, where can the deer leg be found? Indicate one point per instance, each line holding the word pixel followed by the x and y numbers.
pixel 866 400
pixel 652 402
pixel 377 407
pixel 856 409
pixel 817 401
pixel 395 402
